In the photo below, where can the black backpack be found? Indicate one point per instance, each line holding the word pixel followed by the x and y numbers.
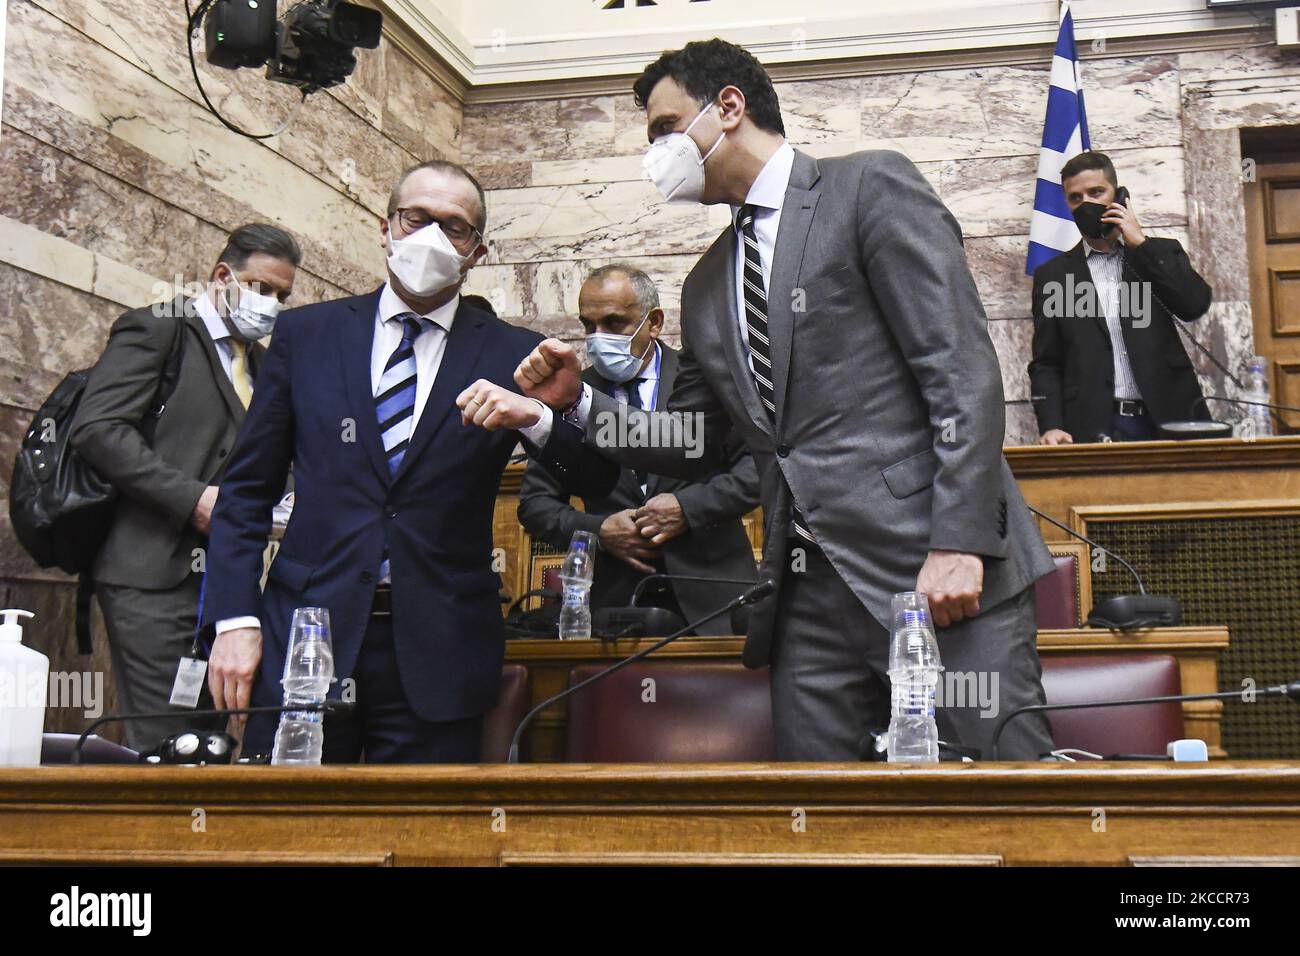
pixel 61 508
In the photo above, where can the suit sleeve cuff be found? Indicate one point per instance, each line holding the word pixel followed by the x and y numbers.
pixel 234 623
pixel 581 409
pixel 540 431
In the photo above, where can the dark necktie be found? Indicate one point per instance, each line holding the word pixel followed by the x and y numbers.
pixel 760 346
pixel 634 401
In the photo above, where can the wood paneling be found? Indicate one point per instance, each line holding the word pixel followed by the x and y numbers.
pixel 722 814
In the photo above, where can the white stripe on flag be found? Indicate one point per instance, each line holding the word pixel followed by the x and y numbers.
pixel 1063 75
pixel 1053 232
pixel 1050 161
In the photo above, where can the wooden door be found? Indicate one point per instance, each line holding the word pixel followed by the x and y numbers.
pixel 1273 239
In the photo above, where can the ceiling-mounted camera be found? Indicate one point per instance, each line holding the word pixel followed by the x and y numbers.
pixel 314 43
pixel 311 47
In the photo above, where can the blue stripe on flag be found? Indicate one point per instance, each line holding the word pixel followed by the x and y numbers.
pixel 1038 254
pixel 1065 38
pixel 1050 198
pixel 1064 119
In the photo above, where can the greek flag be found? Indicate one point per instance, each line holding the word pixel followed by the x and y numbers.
pixel 1065 135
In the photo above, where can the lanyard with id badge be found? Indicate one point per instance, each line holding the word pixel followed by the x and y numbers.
pixel 193 667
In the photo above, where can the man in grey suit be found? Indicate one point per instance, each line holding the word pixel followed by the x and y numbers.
pixel 649 523
pixel 148 573
pixel 835 327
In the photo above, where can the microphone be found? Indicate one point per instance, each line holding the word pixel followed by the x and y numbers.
pixel 1213 428
pixel 658 620
pixel 326 707
pixel 641 585
pixel 1243 401
pixel 1291 690
pixel 1124 612
pixel 1271 406
pixel 755 594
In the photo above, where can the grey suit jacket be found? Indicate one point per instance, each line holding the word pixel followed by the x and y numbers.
pixel 890 416
pixel 714 545
pixel 151 544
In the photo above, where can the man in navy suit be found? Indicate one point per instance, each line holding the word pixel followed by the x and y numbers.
pixel 392 522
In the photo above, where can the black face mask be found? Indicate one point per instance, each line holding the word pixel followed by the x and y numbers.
pixel 1087 216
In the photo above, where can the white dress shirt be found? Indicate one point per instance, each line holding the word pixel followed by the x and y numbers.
pixel 767 194
pixel 1107 269
pixel 648 378
pixel 217 330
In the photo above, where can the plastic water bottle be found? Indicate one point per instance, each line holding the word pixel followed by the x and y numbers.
pixel 308 673
pixel 579 568
pixel 914 668
pixel 1259 419
pixel 24 684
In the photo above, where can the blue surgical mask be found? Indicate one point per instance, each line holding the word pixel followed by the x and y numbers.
pixel 254 317
pixel 611 355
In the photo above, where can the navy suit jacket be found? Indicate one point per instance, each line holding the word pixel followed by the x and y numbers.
pixel 313 410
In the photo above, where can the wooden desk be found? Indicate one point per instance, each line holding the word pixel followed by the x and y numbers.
pixel 1215 524
pixel 1196 648
pixel 950 814
pixel 1215 476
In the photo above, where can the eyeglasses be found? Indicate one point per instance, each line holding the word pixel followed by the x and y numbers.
pixel 414 219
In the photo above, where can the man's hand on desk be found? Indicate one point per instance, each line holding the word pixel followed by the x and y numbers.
pixel 953 582
pixel 661 518
pixel 552 374
pixel 1056 436
pixel 232 665
pixel 493 407
pixel 620 536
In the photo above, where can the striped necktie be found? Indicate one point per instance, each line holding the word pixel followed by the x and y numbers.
pixel 760 346
pixel 395 403
pixel 395 398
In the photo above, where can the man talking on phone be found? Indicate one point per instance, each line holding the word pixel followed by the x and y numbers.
pixel 1108 364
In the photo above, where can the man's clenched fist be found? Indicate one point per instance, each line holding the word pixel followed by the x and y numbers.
pixel 493 407
pixel 551 373
pixel 953 582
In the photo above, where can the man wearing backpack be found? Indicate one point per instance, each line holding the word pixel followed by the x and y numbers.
pixel 166 465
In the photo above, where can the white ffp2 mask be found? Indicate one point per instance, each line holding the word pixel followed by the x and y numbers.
pixel 674 164
pixel 425 262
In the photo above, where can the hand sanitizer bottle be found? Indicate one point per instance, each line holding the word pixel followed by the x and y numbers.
pixel 24 683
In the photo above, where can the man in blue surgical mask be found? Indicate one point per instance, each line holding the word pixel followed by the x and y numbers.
pixel 158 419
pixel 648 524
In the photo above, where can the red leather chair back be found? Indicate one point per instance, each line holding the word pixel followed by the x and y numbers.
pixel 500 723
pixel 707 712
pixel 551 581
pixel 1076 678
pixel 701 712
pixel 1057 594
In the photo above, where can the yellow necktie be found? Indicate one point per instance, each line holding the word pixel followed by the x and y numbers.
pixel 239 371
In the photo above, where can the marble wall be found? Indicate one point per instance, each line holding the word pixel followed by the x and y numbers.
pixel 115 178
pixel 566 191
